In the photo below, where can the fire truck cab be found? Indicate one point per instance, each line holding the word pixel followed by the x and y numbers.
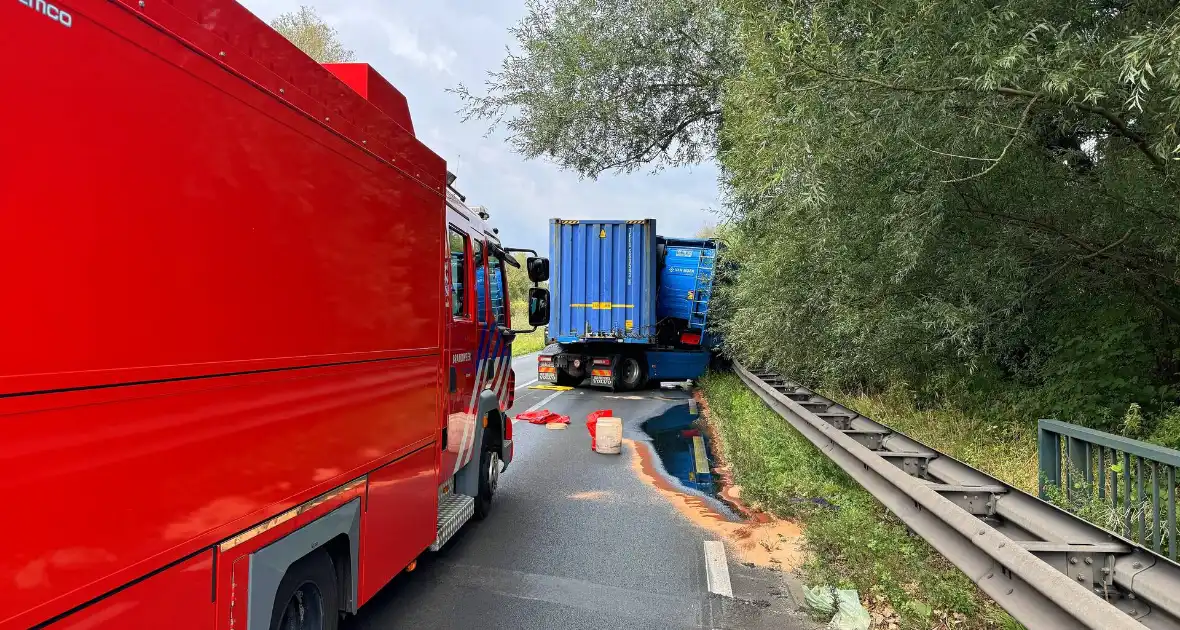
pixel 481 383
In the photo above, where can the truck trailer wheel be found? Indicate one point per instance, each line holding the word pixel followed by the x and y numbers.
pixel 307 597
pixel 629 373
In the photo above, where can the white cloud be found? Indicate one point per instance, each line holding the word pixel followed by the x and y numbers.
pixel 426 48
pixel 404 43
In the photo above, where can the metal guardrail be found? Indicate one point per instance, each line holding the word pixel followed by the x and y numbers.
pixel 1047 568
pixel 1086 466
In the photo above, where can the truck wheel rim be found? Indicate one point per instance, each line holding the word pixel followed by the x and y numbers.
pixel 630 371
pixel 493 472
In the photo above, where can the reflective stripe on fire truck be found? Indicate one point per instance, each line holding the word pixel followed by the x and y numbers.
pixel 492 356
pixel 467 441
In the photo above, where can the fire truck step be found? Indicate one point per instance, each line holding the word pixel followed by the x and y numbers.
pixel 453 511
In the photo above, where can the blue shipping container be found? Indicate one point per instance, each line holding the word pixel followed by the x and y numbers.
pixel 604 287
pixel 686 280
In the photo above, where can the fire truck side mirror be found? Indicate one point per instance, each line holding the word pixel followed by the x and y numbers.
pixel 538 305
pixel 538 269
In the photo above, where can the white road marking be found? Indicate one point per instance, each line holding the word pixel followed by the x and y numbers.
pixel 717 569
pixel 543 402
pixel 520 387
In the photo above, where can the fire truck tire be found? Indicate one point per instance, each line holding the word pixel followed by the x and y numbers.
pixel 307 597
pixel 489 476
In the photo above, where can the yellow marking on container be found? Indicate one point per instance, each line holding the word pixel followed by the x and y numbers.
pixel 628 324
pixel 602 306
pixel 602 233
pixel 698 455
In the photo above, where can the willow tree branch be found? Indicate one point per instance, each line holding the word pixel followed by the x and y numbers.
pixel 1119 125
pixel 996 161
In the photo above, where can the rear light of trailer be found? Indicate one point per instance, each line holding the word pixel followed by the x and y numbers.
pixel 600 373
pixel 690 338
pixel 601 361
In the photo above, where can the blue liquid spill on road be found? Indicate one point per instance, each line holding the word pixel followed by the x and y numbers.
pixel 683 448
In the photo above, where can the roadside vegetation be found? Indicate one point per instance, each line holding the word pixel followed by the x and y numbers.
pixel 958 217
pixel 977 203
pixel 851 539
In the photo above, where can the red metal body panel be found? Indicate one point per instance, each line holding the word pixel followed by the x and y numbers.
pixel 220 266
pixel 363 79
pixel 242 236
pixel 401 513
pixel 233 586
pixel 176 467
pixel 181 594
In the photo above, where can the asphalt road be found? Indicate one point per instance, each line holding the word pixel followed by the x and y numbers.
pixel 577 540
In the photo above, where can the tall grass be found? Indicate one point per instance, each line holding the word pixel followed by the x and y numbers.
pixel 1003 448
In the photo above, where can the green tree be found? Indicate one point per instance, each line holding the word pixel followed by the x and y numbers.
pixel 518 281
pixel 974 200
pixel 601 85
pixel 311 34
pixel 983 190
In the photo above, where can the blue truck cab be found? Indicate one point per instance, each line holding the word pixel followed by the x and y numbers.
pixel 628 307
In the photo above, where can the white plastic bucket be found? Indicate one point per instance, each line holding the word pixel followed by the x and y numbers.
pixel 608 436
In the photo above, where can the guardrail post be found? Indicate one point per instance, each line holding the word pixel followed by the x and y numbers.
pixel 1048 458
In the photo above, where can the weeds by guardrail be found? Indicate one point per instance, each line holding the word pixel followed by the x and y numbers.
pixel 1123 485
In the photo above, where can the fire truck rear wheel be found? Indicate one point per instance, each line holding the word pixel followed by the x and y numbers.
pixel 489 475
pixel 307 597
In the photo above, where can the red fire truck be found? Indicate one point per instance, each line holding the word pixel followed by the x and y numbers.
pixel 255 356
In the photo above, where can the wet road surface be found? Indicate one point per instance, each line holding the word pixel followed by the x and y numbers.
pixel 577 539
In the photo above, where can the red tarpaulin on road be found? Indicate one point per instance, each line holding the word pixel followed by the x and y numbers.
pixel 542 416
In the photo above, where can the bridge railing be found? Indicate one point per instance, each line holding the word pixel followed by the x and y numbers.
pixel 1127 485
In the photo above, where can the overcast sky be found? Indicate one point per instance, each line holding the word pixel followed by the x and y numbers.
pixel 423 48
